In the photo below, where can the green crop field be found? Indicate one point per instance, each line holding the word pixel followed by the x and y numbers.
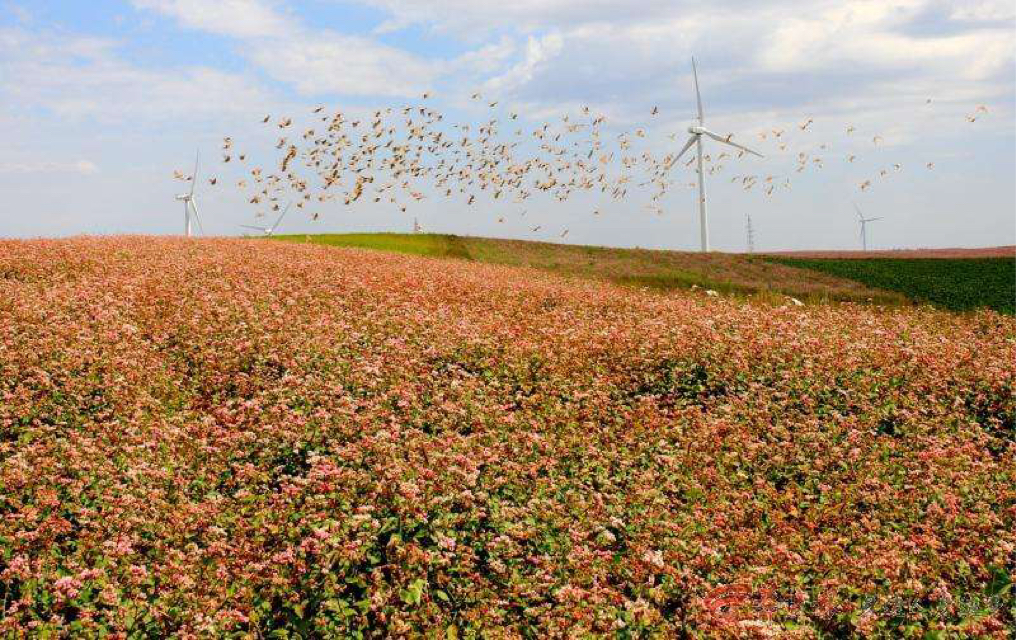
pixel 959 284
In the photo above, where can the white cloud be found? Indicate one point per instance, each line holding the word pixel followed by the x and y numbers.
pixel 83 77
pixel 487 59
pixel 538 51
pixel 1000 10
pixel 873 35
pixel 313 61
pixel 322 63
pixel 475 18
pixel 83 167
pixel 237 18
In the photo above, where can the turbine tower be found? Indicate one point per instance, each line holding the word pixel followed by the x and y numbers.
pixel 697 131
pixel 269 230
pixel 189 202
pixel 864 226
pixel 750 231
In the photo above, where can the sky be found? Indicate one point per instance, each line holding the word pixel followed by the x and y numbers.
pixel 101 101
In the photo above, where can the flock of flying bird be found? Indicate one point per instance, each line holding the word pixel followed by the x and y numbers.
pixel 399 156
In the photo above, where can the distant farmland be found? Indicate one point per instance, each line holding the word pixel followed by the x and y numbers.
pixel 902 278
pixel 661 270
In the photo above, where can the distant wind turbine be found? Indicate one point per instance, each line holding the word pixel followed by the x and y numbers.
pixel 864 228
pixel 697 131
pixel 189 202
pixel 269 230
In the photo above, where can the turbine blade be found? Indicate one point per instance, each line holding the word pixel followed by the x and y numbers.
pixel 698 95
pixel 873 219
pixel 687 146
pixel 194 176
pixel 247 226
pixel 274 226
pixel 858 210
pixel 720 138
pixel 194 206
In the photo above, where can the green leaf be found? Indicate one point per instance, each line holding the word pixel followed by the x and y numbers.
pixel 414 593
pixel 1000 582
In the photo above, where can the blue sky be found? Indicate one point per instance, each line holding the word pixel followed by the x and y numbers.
pixel 101 101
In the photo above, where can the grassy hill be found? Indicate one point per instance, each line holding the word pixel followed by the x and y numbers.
pixel 959 284
pixel 727 273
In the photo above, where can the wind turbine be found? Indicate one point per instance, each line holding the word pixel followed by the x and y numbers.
pixel 269 230
pixel 864 227
pixel 189 203
pixel 697 131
